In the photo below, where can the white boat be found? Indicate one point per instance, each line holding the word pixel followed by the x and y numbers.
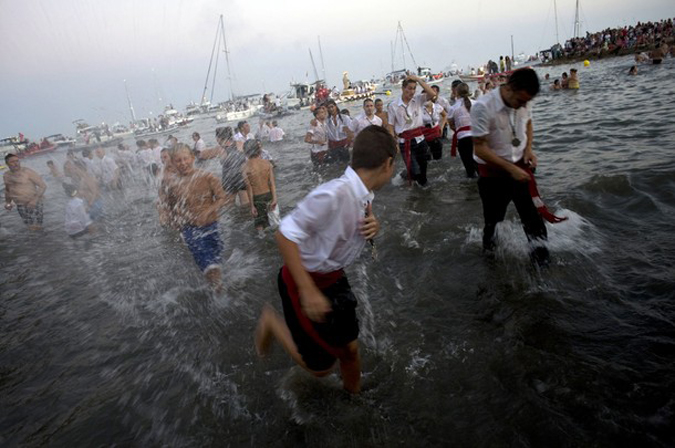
pixel 61 141
pixel 11 145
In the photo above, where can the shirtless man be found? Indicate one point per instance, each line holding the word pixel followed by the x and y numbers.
pixel 25 188
pixel 381 113
pixel 196 197
pixel 54 170
pixel 260 185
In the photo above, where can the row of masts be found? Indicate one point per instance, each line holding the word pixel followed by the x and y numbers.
pixel 577 22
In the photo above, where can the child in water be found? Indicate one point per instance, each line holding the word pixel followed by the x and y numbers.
pixel 77 221
pixel 197 197
pixel 260 185
pixel 318 240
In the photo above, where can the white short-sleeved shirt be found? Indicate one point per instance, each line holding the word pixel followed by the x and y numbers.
pixel 434 117
pixel 147 156
pixel 397 112
pixel 336 132
pixel 239 137
pixel 462 117
pixel 108 168
pixel 200 145
pixel 326 223
pixel 445 104
pixel 319 134
pixel 77 219
pixel 276 134
pixel 362 121
pixel 491 117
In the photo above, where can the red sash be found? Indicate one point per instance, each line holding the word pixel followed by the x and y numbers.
pixel 453 150
pixel 486 170
pixel 338 143
pixel 322 281
pixel 431 134
pixel 407 136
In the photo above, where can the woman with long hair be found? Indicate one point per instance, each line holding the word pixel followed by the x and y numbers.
pixel 461 124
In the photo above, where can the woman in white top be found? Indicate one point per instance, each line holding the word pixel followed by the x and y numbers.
pixel 316 136
pixel 433 115
pixel 460 122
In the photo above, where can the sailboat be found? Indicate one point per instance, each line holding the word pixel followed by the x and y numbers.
pixel 396 76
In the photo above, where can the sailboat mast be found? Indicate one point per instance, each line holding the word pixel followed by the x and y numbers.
pixel 131 106
pixel 215 72
pixel 208 72
pixel 555 10
pixel 316 74
pixel 577 24
pixel 405 39
pixel 323 67
pixel 392 55
pixel 227 57
pixel 512 52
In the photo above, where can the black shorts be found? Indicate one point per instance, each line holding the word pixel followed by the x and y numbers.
pixel 339 328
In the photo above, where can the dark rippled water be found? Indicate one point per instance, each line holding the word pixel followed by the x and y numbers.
pixel 114 340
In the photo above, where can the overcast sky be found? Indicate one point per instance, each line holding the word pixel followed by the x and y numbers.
pixel 68 59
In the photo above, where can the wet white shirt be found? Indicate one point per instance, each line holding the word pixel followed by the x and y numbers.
pixel 318 134
pixel 405 117
pixel 434 117
pixel 147 156
pixel 445 104
pixel 461 117
pixel 239 137
pixel 77 218
pixel 492 118
pixel 336 132
pixel 362 121
pixel 326 223
pixel 276 134
pixel 108 168
pixel 200 145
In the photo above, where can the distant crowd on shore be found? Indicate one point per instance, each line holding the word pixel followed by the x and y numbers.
pixel 615 41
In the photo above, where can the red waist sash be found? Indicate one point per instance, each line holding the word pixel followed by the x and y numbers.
pixel 431 134
pixel 407 136
pixel 338 143
pixel 453 150
pixel 322 281
pixel 486 170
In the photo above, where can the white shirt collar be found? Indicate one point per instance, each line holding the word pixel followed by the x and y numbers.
pixel 357 186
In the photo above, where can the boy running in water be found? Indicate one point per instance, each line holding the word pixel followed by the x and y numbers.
pixel 196 197
pixel 260 185
pixel 323 235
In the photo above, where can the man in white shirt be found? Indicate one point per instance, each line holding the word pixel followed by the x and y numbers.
pixel 243 134
pixel 339 133
pixel 405 122
pixel 147 158
pixel 445 104
pixel 501 126
pixel 323 235
pixel 199 145
pixel 367 118
pixel 276 134
pixel 110 173
pixel 93 165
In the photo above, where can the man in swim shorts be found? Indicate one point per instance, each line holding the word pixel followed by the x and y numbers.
pixel 25 188
pixel 197 196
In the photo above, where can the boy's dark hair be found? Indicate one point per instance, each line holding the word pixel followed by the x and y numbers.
pixel 9 156
pixel 379 100
pixel 141 143
pixel 252 147
pixel 406 82
pixel 573 70
pixel 240 125
pixel 372 147
pixel 455 83
pixel 224 133
pixel 367 100
pixel 345 112
pixel 524 79
pixel 69 189
pixel 436 88
pixel 86 152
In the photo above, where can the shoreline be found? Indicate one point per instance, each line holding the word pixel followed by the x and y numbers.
pixel 595 55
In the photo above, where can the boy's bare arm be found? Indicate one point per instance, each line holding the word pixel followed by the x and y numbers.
pixel 314 304
pixel 273 188
pixel 249 193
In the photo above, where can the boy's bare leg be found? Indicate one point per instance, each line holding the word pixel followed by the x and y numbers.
pixel 350 367
pixel 271 326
